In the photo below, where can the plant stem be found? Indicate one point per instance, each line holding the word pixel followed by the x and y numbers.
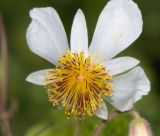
pixel 4 116
pixel 103 122
pixel 5 124
pixel 99 127
pixel 4 53
pixel 135 114
pixel 78 128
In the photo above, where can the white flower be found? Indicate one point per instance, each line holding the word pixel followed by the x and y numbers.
pixel 85 77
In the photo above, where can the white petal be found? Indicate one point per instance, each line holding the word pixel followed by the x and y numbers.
pixel 121 64
pixel 46 36
pixel 129 88
pixel 37 77
pixel 102 112
pixel 118 26
pixel 79 35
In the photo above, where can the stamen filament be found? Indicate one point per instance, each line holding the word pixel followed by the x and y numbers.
pixel 78 84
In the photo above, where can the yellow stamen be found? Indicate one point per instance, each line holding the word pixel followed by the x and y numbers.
pixel 78 84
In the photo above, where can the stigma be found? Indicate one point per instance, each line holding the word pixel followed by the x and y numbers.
pixel 78 84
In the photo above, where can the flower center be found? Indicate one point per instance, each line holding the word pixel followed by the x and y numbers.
pixel 78 84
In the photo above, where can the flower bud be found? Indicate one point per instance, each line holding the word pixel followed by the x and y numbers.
pixel 139 127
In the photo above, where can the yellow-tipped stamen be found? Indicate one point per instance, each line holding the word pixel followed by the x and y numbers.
pixel 78 84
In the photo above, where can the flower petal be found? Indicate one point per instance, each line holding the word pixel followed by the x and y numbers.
pixel 79 35
pixel 129 88
pixel 121 64
pixel 118 26
pixel 37 77
pixel 102 112
pixel 46 36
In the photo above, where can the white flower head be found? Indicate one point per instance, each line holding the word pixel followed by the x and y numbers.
pixel 84 77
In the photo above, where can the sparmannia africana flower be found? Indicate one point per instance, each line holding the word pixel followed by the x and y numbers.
pixel 83 77
pixel 140 127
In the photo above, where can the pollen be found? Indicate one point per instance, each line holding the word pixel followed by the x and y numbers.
pixel 78 84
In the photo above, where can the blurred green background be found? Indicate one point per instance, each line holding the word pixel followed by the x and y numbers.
pixel 34 112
